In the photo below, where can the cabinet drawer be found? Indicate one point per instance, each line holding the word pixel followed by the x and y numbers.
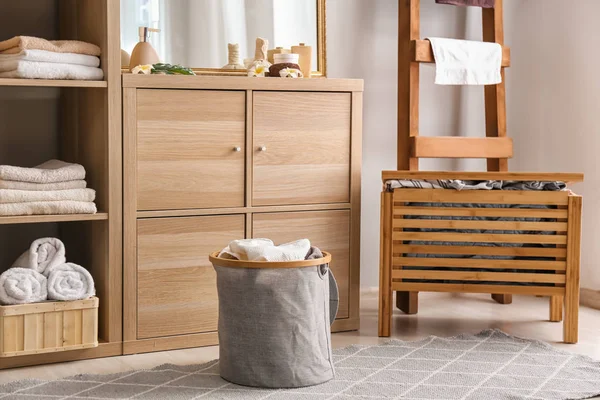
pixel 301 149
pixel 177 291
pixel 328 230
pixel 190 149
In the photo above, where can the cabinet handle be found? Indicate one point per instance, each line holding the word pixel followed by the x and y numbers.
pixel 262 148
pixel 237 149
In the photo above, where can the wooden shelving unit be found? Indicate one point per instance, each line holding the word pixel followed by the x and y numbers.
pixel 39 219
pixel 52 83
pixel 87 130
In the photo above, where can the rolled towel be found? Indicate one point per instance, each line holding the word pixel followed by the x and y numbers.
pixel 51 171
pixel 265 250
pixel 17 44
pixel 44 70
pixel 239 249
pixel 69 282
pixel 43 254
pixel 63 207
pixel 22 286
pixel 27 196
pixel 38 187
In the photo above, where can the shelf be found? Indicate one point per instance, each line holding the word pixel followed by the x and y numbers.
pixel 52 83
pixel 36 219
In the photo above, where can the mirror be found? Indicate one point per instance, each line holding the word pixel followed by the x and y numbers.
pixel 195 33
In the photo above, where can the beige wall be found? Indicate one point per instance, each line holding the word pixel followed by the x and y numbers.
pixel 553 97
pixel 554 102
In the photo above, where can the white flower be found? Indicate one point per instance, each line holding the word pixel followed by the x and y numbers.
pixel 143 69
pixel 291 73
pixel 259 69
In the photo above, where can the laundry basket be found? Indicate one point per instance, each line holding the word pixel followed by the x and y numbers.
pixel 274 321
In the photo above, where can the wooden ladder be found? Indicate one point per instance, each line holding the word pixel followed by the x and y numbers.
pixel 496 147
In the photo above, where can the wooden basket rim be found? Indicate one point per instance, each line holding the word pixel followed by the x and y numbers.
pixel 225 262
pixel 48 306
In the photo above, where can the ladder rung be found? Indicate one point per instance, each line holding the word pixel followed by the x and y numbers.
pixel 423 52
pixel 461 147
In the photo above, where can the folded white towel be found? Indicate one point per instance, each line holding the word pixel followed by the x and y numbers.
pixel 40 187
pixel 51 171
pixel 43 253
pixel 22 286
pixel 69 282
pixel 46 70
pixel 48 56
pixel 28 196
pixel 265 250
pixel 48 208
pixel 464 62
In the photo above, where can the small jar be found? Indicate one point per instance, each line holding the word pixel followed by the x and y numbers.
pixel 289 58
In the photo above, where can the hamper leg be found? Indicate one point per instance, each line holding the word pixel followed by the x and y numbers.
pixel 385 266
pixel 502 298
pixel 408 302
pixel 571 323
pixel 556 308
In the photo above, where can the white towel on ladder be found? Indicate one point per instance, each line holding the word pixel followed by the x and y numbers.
pixel 465 62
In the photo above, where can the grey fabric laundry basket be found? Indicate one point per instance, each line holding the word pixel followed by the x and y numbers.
pixel 274 321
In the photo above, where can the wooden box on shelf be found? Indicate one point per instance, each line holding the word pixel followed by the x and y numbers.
pixel 48 327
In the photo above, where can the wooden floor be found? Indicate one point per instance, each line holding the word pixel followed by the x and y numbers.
pixel 440 314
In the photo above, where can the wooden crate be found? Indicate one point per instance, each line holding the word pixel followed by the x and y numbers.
pixel 48 327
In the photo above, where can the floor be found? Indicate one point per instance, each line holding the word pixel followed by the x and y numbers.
pixel 440 314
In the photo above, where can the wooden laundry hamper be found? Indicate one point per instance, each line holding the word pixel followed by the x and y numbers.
pixel 450 260
pixel 553 270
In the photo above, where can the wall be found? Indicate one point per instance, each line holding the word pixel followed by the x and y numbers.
pixel 554 99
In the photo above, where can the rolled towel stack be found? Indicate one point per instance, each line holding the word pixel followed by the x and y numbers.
pixel 35 58
pixel 42 273
pixel 54 187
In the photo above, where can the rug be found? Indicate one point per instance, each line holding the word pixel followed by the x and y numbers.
pixel 488 366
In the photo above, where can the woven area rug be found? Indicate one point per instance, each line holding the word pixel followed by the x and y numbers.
pixel 491 365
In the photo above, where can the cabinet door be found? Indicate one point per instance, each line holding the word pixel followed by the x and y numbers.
pixel 301 148
pixel 328 230
pixel 177 292
pixel 190 149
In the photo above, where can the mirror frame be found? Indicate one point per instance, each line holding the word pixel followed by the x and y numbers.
pixel 321 71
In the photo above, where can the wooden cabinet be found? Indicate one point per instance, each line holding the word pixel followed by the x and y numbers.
pixel 328 230
pixel 176 286
pixel 188 191
pixel 301 148
pixel 190 149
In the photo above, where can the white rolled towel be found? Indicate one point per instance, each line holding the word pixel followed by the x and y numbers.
pixel 42 254
pixel 69 282
pixel 265 250
pixel 22 286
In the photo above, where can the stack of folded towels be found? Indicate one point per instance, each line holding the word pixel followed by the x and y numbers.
pixel 35 58
pixel 43 273
pixel 54 187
